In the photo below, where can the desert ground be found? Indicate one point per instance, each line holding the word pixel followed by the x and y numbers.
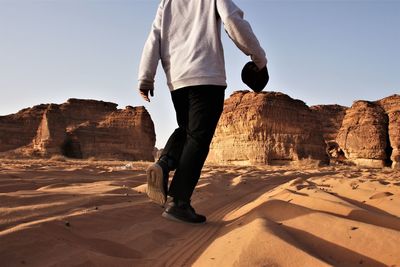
pixel 63 212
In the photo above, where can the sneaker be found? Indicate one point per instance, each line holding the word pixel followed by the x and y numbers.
pixel 183 212
pixel 157 184
pixel 165 168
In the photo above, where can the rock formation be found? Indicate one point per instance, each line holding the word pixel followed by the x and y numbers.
pixel 254 129
pixel 363 135
pixel 124 134
pixel 391 105
pixel 50 134
pixel 18 130
pixel 369 132
pixel 80 129
pixel 330 119
pixel 264 128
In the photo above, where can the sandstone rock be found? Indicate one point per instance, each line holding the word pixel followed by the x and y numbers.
pixel 394 138
pixel 330 118
pixel 82 110
pixel 51 132
pixel 18 130
pixel 80 129
pixel 363 136
pixel 370 133
pixel 391 105
pixel 335 152
pixel 264 128
pixel 123 134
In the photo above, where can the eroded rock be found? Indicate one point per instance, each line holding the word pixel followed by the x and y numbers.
pixel 363 136
pixel 265 128
pixel 330 118
pixel 391 105
pixel 80 129
pixel 17 130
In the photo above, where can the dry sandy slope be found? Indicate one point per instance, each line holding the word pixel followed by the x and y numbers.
pixel 81 213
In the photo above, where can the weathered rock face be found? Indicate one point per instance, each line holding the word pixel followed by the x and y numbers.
pixel 81 129
pixel 370 133
pixel 50 134
pixel 391 105
pixel 363 135
pixel 18 130
pixel 330 118
pixel 264 128
pixel 394 138
pixel 127 134
pixel 79 110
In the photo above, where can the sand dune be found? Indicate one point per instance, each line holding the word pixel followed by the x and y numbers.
pixel 96 213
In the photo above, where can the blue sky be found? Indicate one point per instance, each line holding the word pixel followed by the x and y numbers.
pixel 321 52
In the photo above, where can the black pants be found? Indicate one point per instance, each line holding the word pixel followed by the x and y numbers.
pixel 198 109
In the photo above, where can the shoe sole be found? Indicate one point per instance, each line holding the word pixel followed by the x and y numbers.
pixel 155 188
pixel 173 218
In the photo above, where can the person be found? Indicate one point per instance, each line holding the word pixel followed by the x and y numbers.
pixel 186 37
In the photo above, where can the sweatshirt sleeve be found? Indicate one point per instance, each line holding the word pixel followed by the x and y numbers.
pixel 239 30
pixel 151 54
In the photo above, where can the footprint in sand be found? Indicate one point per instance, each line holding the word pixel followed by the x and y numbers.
pixel 300 183
pixel 381 195
pixel 383 182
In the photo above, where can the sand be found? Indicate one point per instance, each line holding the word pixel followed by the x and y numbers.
pixel 95 213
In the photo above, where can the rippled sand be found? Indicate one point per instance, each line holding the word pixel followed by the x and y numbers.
pixel 96 213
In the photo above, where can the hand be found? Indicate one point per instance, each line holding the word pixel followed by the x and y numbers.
pixel 144 93
pixel 255 68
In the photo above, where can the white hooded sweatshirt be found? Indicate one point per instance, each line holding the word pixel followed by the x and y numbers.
pixel 186 36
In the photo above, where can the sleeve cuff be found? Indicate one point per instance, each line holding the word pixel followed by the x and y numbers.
pixel 145 85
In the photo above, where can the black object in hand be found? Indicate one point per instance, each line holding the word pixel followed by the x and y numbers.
pixel 254 78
